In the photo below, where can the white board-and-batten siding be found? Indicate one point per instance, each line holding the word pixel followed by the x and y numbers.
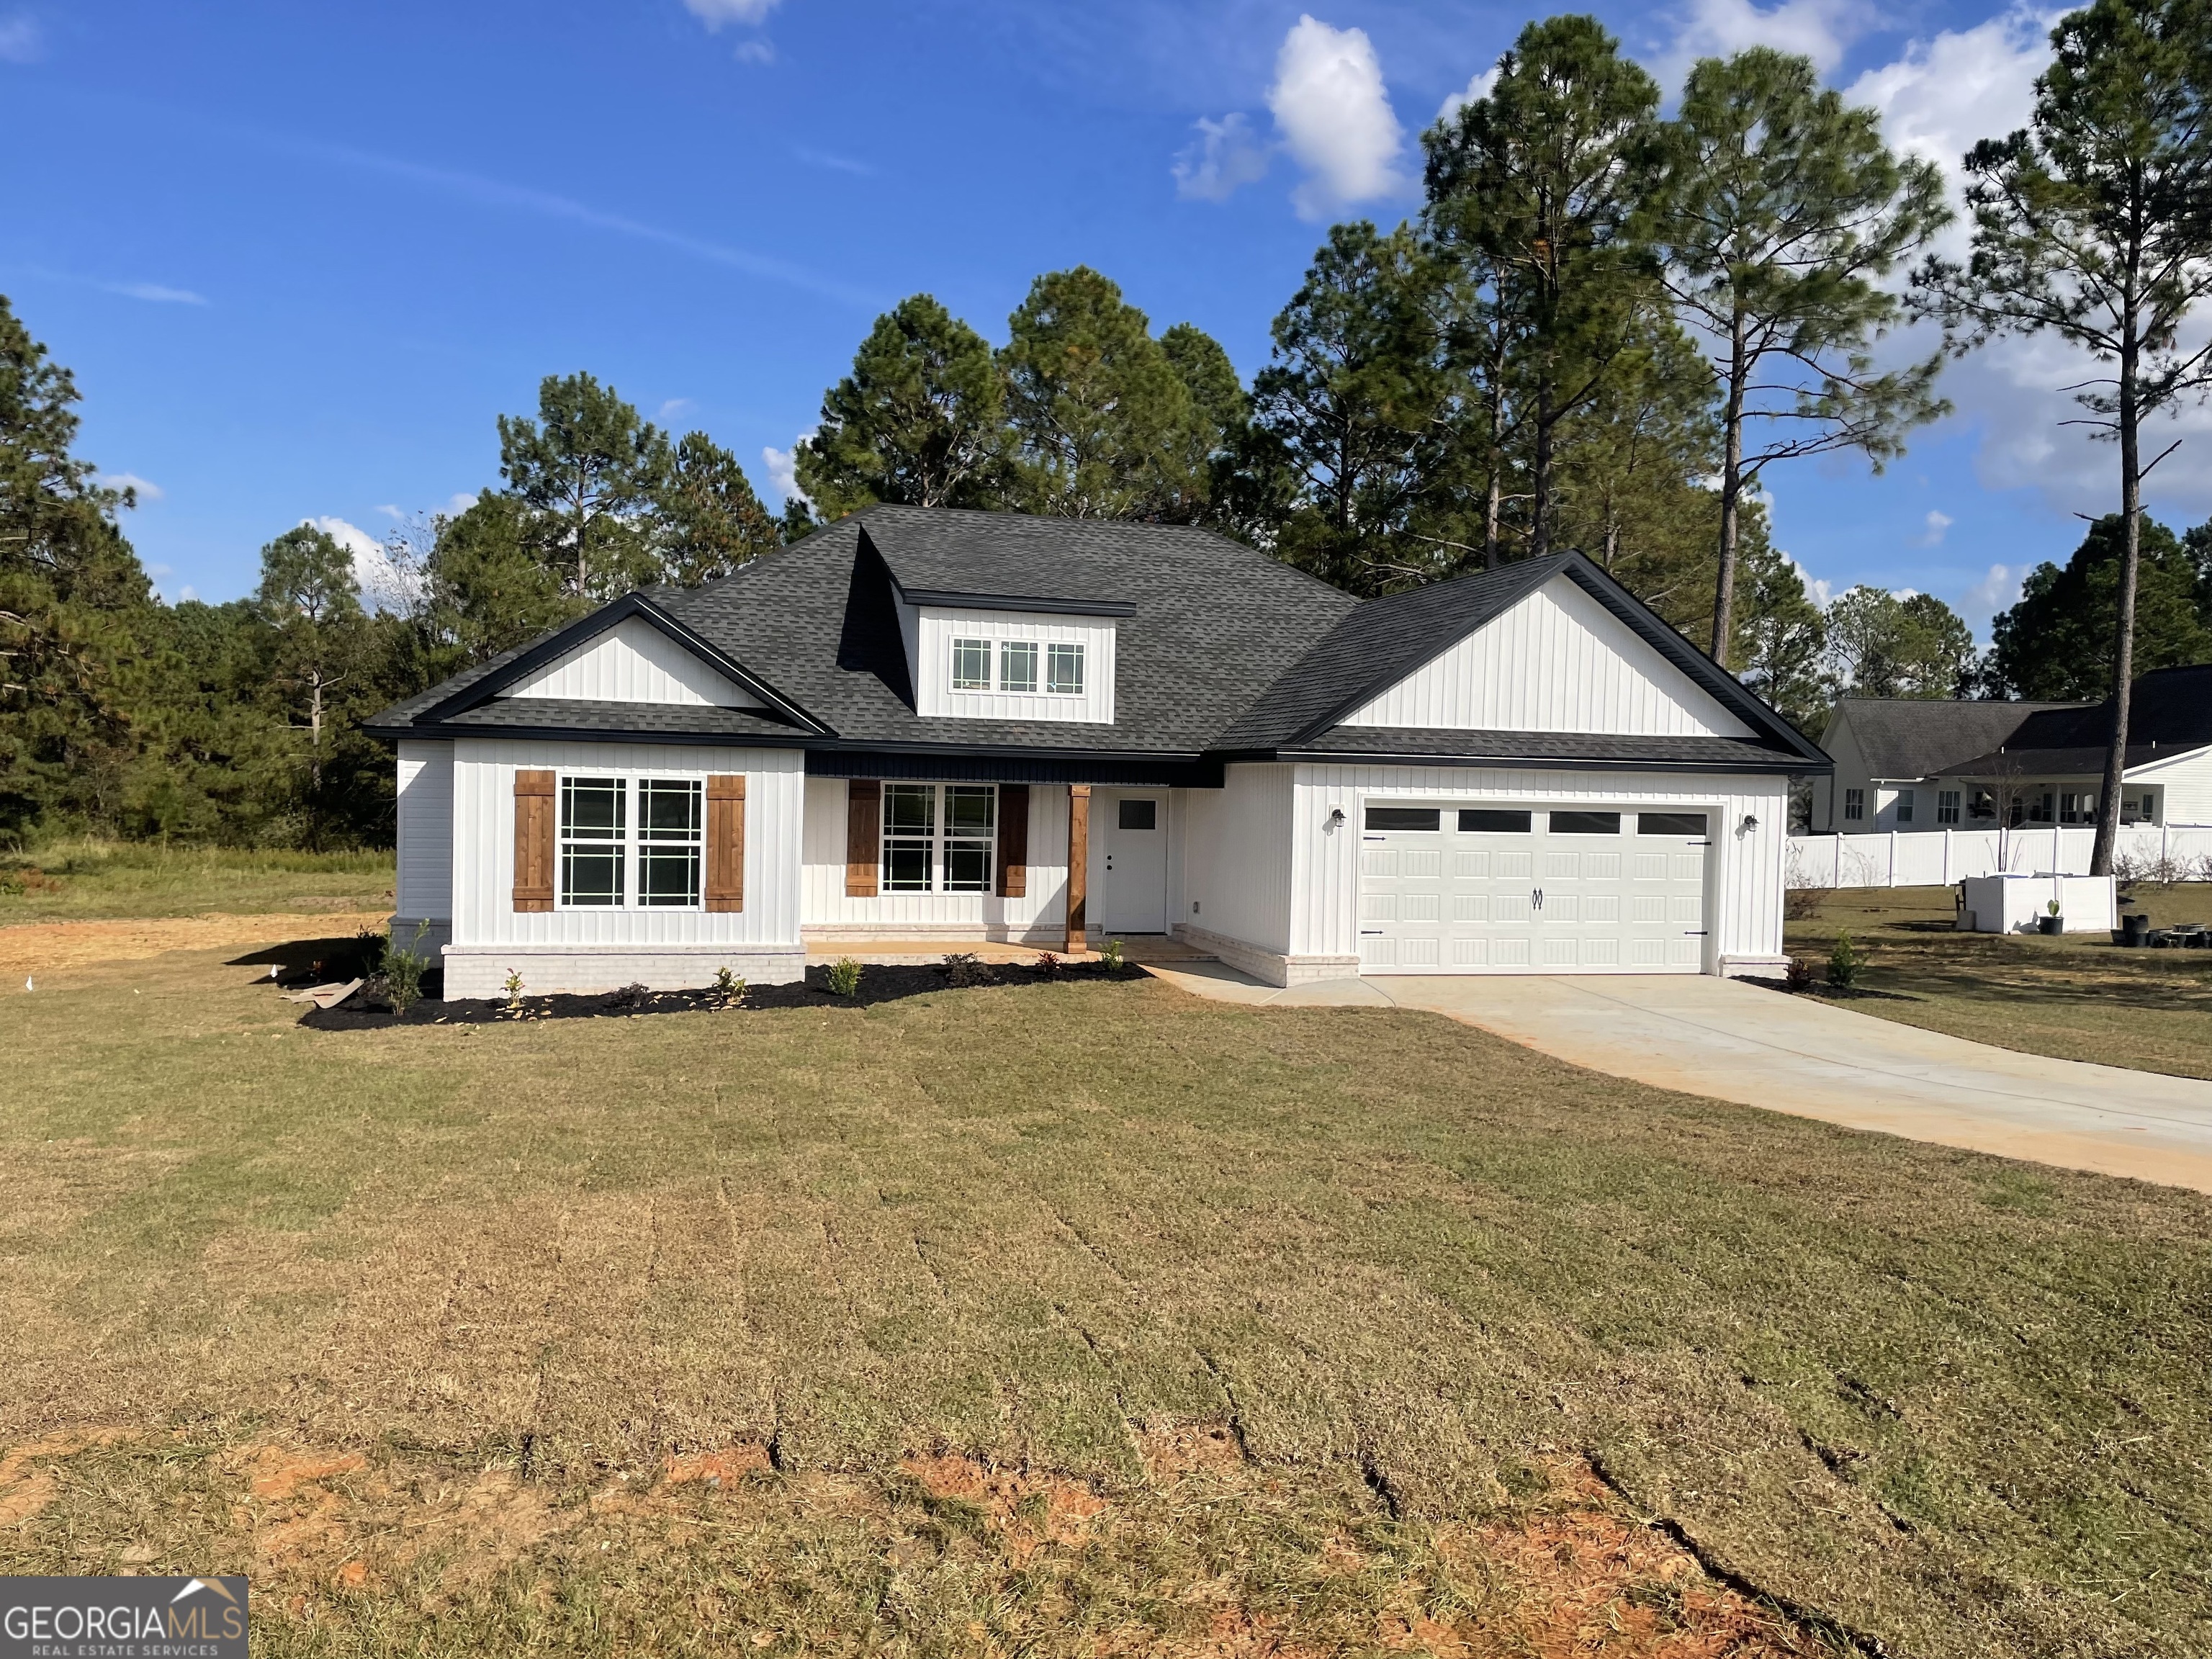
pixel 592 948
pixel 424 828
pixel 635 662
pixel 1235 872
pixel 1556 661
pixel 931 645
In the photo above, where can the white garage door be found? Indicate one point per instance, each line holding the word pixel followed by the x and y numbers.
pixel 1476 890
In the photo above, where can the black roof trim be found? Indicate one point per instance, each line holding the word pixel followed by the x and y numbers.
pixel 1006 765
pixel 558 645
pixel 950 599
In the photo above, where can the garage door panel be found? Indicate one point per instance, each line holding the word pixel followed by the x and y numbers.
pixel 1447 900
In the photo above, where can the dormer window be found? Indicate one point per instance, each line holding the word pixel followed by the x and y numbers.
pixel 1017 665
pixel 971 665
pixel 1063 673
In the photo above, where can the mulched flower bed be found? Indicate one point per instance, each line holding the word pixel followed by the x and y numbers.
pixel 878 984
pixel 1827 993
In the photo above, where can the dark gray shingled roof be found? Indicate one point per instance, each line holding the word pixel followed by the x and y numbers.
pixel 1912 738
pixel 1533 748
pixel 2169 713
pixel 815 627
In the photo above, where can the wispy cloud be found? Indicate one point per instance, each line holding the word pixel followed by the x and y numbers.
pixel 822 158
pixel 715 13
pixel 754 51
pixel 145 489
pixel 385 586
pixel 546 205
pixel 22 41
pixel 1936 524
pixel 156 293
pixel 1998 591
pixel 674 407
pixel 1224 157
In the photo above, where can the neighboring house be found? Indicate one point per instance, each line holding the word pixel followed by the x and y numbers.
pixel 921 723
pixel 1913 765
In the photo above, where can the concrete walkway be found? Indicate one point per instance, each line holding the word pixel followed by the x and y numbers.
pixel 1760 1048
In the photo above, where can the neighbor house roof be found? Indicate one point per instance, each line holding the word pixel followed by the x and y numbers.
pixel 1220 651
pixel 2169 714
pixel 1918 737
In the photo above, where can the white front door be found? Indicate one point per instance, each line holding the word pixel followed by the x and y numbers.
pixel 1136 899
pixel 1488 889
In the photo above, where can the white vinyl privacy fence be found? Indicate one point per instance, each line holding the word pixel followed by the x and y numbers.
pixel 1937 858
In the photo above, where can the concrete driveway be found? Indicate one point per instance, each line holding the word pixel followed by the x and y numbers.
pixel 1734 1042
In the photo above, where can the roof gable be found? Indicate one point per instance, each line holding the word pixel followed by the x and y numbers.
pixel 1553 661
pixel 634 662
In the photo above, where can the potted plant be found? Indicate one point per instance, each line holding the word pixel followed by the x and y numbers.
pixel 2051 922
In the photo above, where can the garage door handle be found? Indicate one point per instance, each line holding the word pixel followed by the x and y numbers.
pixel 1536 898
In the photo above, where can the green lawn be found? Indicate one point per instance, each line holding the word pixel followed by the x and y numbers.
pixel 1259 1325
pixel 65 881
pixel 2077 997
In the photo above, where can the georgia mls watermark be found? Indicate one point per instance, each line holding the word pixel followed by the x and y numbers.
pixel 122 1618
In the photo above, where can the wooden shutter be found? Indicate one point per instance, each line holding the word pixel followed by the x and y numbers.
pixel 725 843
pixel 1078 865
pixel 864 821
pixel 1013 839
pixel 533 840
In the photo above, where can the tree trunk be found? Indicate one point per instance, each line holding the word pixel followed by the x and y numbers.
pixel 1540 509
pixel 1731 496
pixel 2124 652
pixel 1490 517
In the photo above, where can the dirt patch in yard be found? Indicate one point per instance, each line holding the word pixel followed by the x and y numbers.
pixel 33 948
pixel 441 1557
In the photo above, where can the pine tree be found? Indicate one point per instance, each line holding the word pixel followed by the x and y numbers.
pixel 711 522
pixel 591 471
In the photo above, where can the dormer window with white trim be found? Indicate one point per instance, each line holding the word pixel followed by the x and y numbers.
pixel 989 664
pixel 1063 674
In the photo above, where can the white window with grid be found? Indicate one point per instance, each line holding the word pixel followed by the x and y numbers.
pixel 996 665
pixel 631 843
pixel 939 837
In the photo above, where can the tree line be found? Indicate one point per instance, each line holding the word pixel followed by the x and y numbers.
pixel 1602 329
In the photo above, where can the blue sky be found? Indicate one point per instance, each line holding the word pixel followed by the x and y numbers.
pixel 299 256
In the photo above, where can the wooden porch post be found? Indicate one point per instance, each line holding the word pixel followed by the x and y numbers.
pixel 1078 863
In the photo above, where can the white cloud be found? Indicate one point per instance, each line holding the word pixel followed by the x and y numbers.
pixel 1224 157
pixel 754 51
pixel 20 39
pixel 1998 591
pixel 674 407
pixel 1933 535
pixel 1944 94
pixel 1941 95
pixel 1819 29
pixel 715 13
pixel 1822 593
pixel 146 489
pixel 834 163
pixel 155 294
pixel 1477 89
pixel 782 467
pixel 1335 117
pixel 187 594
pixel 384 585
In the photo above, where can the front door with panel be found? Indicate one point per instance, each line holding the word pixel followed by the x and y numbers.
pixel 1135 896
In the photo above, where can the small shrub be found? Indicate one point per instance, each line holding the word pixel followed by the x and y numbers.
pixel 729 987
pixel 513 986
pixel 370 950
pixel 2052 907
pixel 1798 976
pixel 1846 962
pixel 404 971
pixel 1047 965
pixel 1802 903
pixel 844 977
pixel 965 968
pixel 1111 954
pixel 632 995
